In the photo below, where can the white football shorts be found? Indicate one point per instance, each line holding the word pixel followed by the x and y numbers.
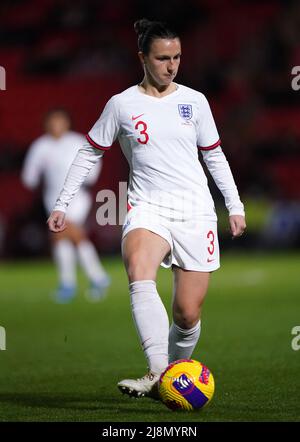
pixel 78 209
pixel 194 243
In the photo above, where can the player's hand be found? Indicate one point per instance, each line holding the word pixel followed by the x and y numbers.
pixel 56 221
pixel 237 225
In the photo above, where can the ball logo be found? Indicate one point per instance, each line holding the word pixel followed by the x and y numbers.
pixel 204 376
pixel 183 384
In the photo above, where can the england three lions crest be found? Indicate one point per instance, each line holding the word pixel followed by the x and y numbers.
pixel 185 111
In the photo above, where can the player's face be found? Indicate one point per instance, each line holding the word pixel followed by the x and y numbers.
pixel 162 62
pixel 57 124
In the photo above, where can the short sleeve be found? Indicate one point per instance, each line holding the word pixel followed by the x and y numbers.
pixel 106 129
pixel 207 134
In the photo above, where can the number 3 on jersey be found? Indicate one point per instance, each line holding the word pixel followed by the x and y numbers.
pixel 142 128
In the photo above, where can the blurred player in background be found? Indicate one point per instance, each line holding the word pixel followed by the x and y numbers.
pixel 48 160
pixel 161 125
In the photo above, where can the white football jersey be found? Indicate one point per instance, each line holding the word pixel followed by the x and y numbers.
pixel 50 158
pixel 160 138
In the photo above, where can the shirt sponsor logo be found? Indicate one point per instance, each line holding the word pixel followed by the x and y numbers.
pixel 185 111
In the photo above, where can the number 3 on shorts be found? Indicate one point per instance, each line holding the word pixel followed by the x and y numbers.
pixel 211 237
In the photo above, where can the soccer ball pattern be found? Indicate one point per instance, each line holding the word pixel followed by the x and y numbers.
pixel 186 384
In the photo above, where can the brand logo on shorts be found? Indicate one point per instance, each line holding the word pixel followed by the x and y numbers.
pixel 185 111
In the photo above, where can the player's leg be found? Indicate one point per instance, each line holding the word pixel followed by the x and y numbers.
pixel 64 255
pixel 190 288
pixel 143 252
pixel 195 256
pixel 89 261
pixel 87 254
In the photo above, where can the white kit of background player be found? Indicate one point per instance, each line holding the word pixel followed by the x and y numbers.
pixel 49 159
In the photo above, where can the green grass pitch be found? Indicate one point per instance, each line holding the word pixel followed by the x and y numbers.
pixel 62 362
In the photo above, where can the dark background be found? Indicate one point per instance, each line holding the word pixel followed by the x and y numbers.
pixel 77 54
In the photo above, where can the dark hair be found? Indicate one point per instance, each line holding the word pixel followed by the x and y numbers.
pixel 148 31
pixel 57 110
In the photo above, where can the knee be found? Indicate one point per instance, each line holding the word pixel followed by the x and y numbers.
pixel 138 268
pixel 186 317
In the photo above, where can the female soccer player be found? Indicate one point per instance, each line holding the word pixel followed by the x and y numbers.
pixel 49 157
pixel 171 221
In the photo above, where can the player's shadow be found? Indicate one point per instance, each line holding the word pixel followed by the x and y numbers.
pixel 75 402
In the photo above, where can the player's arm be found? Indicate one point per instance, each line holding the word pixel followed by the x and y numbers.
pixel 208 141
pixel 219 169
pixel 95 171
pixel 94 174
pixel 84 161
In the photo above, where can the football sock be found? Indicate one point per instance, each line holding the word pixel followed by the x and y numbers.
pixel 65 258
pixel 90 262
pixel 183 341
pixel 152 323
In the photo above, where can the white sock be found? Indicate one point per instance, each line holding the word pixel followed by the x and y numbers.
pixel 152 323
pixel 65 258
pixel 89 261
pixel 183 341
